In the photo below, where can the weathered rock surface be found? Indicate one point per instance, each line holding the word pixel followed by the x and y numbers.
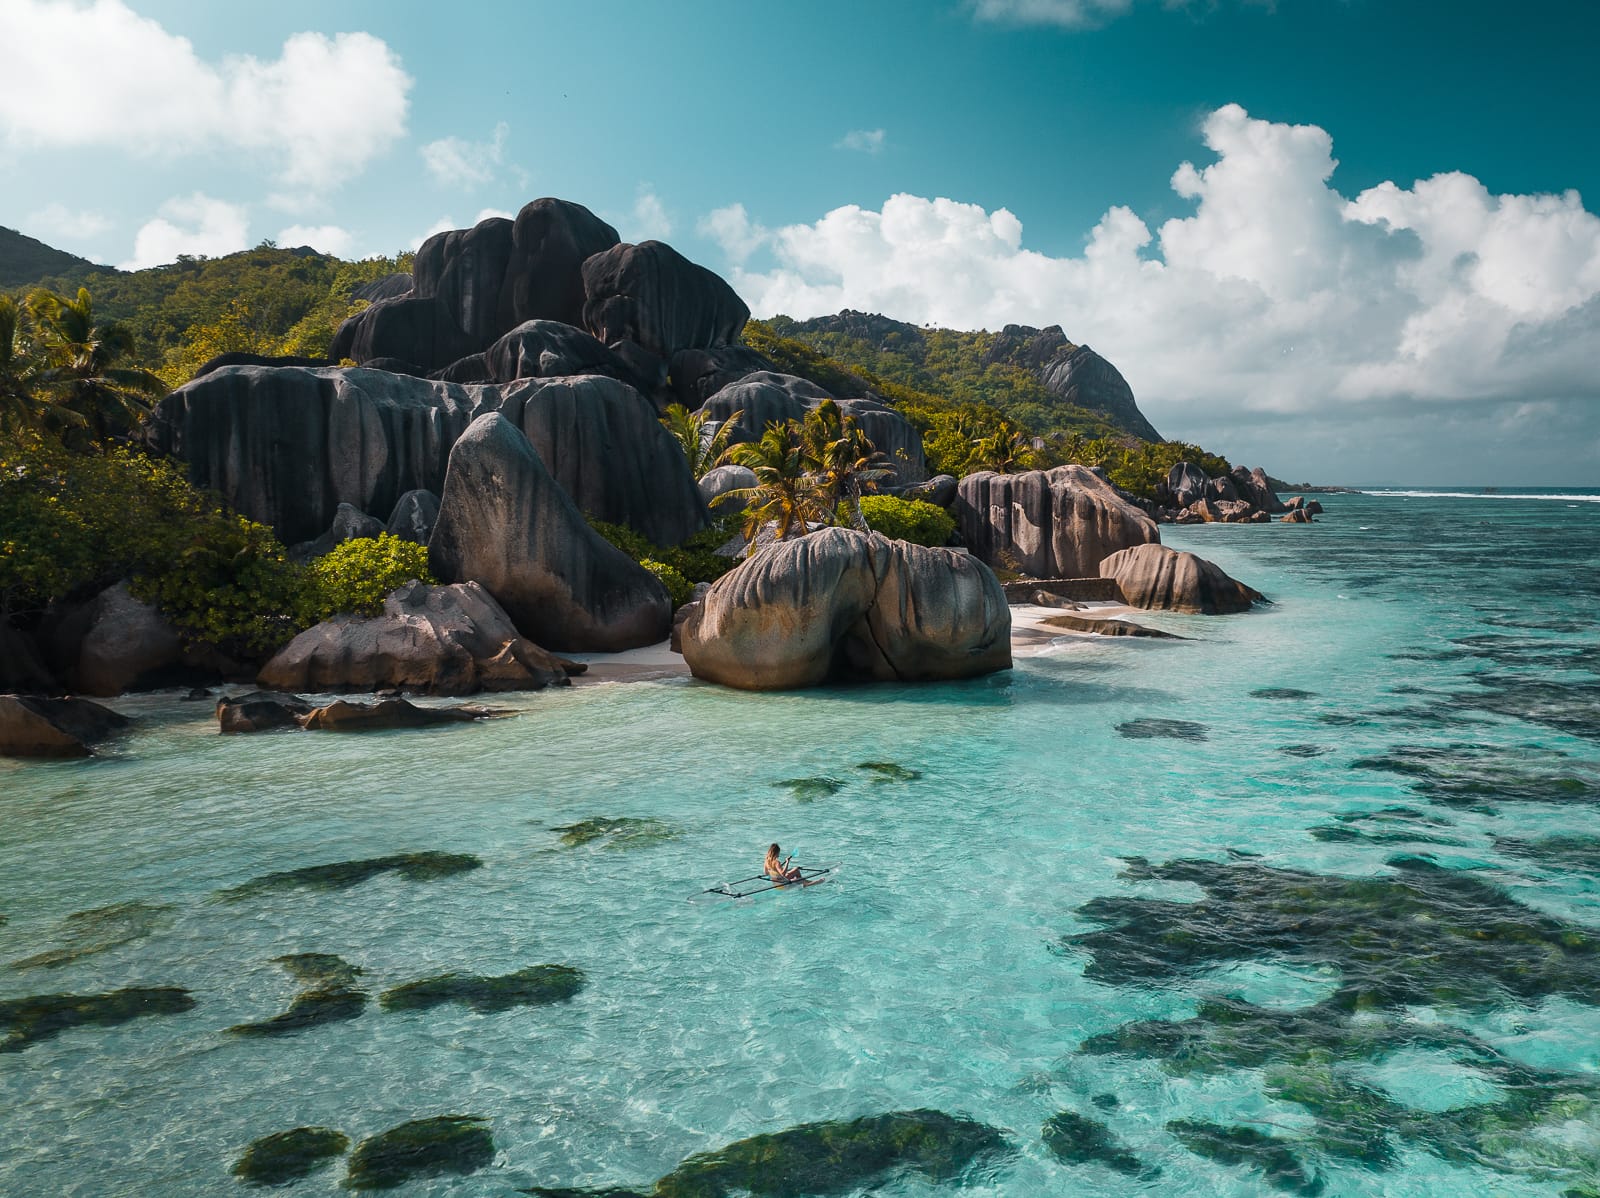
pixel 698 374
pixel 114 643
pixel 1108 627
pixel 287 446
pixel 244 358
pixel 505 523
pixel 414 516
pixel 344 716
pixel 550 242
pixel 722 479
pixel 38 727
pixel 1162 579
pixel 1081 376
pixel 438 640
pixel 413 329
pixel 1221 489
pixel 392 286
pixel 1186 483
pixel 464 270
pixel 540 349
pixel 1059 523
pixel 652 295
pixel 892 434
pixel 764 398
pixel 349 524
pixel 1254 487
pixel 602 442
pixel 260 711
pixel 838 605
pixel 941 490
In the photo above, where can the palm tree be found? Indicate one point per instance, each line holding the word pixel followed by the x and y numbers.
pixel 842 458
pixel 785 492
pixel 24 401
pixel 701 447
pixel 83 365
pixel 1005 451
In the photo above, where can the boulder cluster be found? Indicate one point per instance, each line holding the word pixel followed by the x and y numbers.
pixel 1242 496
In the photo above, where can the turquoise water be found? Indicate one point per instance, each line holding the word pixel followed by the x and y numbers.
pixel 1448 653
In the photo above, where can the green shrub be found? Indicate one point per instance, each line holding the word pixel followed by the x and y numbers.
pixel 635 544
pixel 695 560
pixel 356 576
pixel 679 589
pixel 913 520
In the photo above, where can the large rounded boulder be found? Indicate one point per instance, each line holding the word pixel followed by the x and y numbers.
pixel 1159 578
pixel 550 241
pixel 1059 523
pixel 603 444
pixel 438 640
pixel 652 295
pixel 760 399
pixel 538 349
pixel 465 269
pixel 506 523
pixel 840 605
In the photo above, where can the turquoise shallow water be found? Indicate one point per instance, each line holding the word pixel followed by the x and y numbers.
pixel 1448 653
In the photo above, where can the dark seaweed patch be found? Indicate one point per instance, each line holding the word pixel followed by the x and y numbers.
pixel 1473 775
pixel 1281 692
pixel 534 986
pixel 45 1016
pixel 1428 936
pixel 1151 729
pixel 806 790
pixel 88 932
pixel 1569 705
pixel 458 1144
pixel 341 875
pixel 1076 1139
pixel 1405 825
pixel 619 833
pixel 319 969
pixel 1575 853
pixel 287 1156
pixel 1304 750
pixel 889 771
pixel 1335 719
pixel 310 1008
pixel 1277 1162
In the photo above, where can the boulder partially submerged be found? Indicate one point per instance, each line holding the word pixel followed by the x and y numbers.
pixel 1059 523
pixel 839 605
pixel 436 640
pixel 504 522
pixel 1163 579
pixel 38 727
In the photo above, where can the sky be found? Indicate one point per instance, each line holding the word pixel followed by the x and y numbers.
pixel 1351 240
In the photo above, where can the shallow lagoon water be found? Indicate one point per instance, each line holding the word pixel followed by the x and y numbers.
pixel 1447 643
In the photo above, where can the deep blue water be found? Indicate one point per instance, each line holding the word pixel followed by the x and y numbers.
pixel 1387 957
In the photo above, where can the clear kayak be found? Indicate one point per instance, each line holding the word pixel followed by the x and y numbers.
pixel 810 875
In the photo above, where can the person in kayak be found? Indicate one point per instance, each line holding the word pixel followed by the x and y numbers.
pixel 777 868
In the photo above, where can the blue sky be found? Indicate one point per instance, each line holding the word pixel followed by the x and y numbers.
pixel 963 162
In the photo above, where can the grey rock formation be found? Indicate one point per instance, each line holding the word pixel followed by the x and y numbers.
pixel 1081 376
pixel 1256 488
pixel 1163 579
pixel 892 434
pixel 392 286
pixel 839 605
pixel 1299 515
pixel 941 490
pixel 1221 490
pixel 722 479
pixel 344 716
pixel 114 643
pixel 241 358
pixel 651 294
pixel 698 374
pixel 601 441
pixel 1058 523
pixel 350 523
pixel 414 516
pixel 411 329
pixel 437 640
pixel 505 523
pixel 539 349
pixel 287 446
pixel 37 727
pixel 550 242
pixel 1186 483
pixel 260 711
pixel 764 398
pixel 465 269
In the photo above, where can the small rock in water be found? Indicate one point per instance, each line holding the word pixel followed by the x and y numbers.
pixel 1282 1169
pixel 96 931
pixel 1281 692
pixel 457 1144
pixel 341 875
pixel 288 1156
pixel 623 833
pixel 1150 729
pixel 889 771
pixel 45 1016
pixel 320 969
pixel 807 789
pixel 1078 1140
pixel 534 986
pixel 1305 750
pixel 310 1008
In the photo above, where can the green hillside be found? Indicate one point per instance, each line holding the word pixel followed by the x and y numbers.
pixel 24 260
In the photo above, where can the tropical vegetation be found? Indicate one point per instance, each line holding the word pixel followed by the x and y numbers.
pixel 914 520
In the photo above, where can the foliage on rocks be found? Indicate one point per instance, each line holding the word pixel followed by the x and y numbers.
pixel 696 560
pixel 914 520
pixel 679 589
pixel 354 577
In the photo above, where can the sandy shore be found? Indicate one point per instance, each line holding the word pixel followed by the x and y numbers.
pixel 1030 636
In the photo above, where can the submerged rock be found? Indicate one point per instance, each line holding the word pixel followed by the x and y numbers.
pixel 88 932
pixel 623 833
pixel 1278 1163
pixel 341 875
pixel 344 716
pixel 320 969
pixel 288 1156
pixel 1108 627
pixel 1159 578
pixel 805 790
pixel 1075 1139
pixel 505 523
pixel 45 1016
pixel 440 640
pixel 889 771
pixel 310 1008
pixel 837 605
pixel 444 1144
pixel 1059 523
pixel 37 727
pixel 1473 775
pixel 538 985
pixel 260 711
pixel 1282 692
pixel 1154 729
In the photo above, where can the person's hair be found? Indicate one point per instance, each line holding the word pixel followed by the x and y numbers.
pixel 774 850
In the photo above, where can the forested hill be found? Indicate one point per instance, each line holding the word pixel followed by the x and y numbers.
pixel 1036 377
pixel 23 260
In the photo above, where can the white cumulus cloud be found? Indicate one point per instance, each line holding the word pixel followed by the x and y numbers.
pixel 1277 298
pixel 864 141
pixel 456 162
pixel 328 239
pixel 56 219
pixel 649 220
pixel 733 230
pixel 195 224
pixel 94 74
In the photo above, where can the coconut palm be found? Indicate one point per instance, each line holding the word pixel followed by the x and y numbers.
pixel 24 400
pixel 84 365
pixel 1005 451
pixel 702 447
pixel 842 459
pixel 785 493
